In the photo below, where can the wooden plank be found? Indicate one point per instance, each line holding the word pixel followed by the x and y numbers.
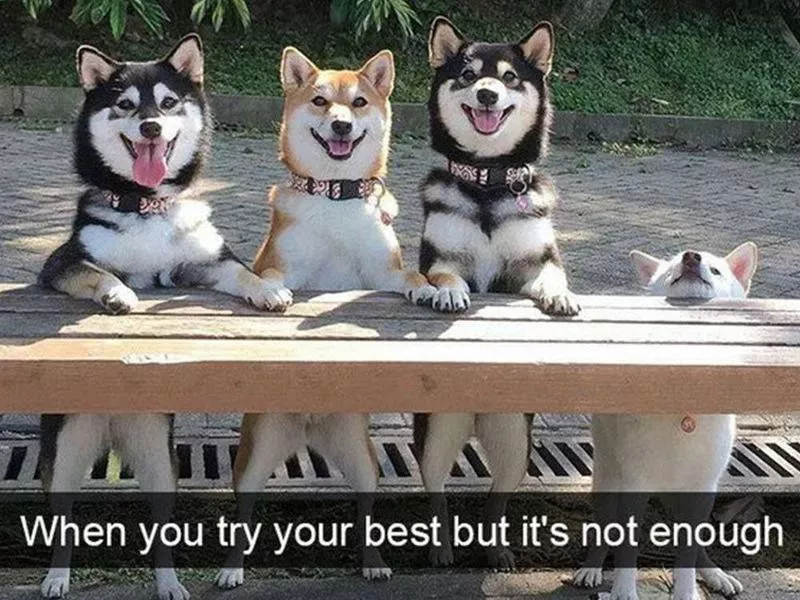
pixel 335 328
pixel 520 310
pixel 56 375
pixel 14 297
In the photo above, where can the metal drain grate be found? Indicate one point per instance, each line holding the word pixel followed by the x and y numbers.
pixel 562 463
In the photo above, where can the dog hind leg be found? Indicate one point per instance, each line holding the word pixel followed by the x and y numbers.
pixel 506 440
pixel 344 439
pixel 79 444
pixel 144 443
pixel 267 440
pixel 446 436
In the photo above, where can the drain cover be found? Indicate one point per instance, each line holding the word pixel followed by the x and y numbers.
pixel 562 463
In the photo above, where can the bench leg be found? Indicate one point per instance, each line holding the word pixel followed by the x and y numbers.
pixel 344 439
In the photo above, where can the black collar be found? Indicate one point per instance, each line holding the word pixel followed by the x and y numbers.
pixel 518 179
pixel 132 202
pixel 339 189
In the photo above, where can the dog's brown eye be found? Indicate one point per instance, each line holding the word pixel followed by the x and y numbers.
pixel 126 104
pixel 319 101
pixel 168 103
pixel 360 102
pixel 509 77
pixel 468 75
pixel 715 271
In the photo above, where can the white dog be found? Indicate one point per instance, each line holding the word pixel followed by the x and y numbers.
pixel 669 453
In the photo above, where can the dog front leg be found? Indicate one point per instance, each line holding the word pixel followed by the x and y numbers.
pixel 88 281
pixel 267 292
pixel 549 287
pixel 411 284
pixel 452 292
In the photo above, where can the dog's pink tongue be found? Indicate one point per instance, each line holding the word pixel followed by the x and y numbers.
pixel 340 147
pixel 150 166
pixel 487 121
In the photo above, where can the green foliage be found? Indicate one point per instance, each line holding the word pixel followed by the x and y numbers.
pixel 687 62
pixel 218 9
pixel 367 16
pixel 116 12
pixel 150 12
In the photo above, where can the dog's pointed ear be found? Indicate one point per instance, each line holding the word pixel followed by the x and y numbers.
pixel 379 71
pixel 743 261
pixel 538 47
pixel 646 266
pixel 187 58
pixel 296 69
pixel 94 67
pixel 444 42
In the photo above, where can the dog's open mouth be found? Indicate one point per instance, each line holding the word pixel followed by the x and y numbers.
pixel 150 158
pixel 486 121
pixel 339 149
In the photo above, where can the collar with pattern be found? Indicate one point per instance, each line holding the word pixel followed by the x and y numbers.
pixel 136 203
pixel 517 179
pixel 339 189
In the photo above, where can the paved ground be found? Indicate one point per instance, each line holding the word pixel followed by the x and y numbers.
pixel 610 204
pixel 781 585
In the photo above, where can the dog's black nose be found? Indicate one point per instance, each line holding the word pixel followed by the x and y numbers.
pixel 150 129
pixel 342 127
pixel 487 97
pixel 692 259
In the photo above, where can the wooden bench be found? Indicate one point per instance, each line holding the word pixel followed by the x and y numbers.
pixel 358 351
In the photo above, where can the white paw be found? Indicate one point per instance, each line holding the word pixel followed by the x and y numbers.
pixel 450 300
pixel 441 556
pixel 56 584
pixel 563 304
pixel 588 577
pixel 501 558
pixel 271 297
pixel 119 300
pixel 719 581
pixel 421 295
pixel 377 573
pixel 168 586
pixel 230 578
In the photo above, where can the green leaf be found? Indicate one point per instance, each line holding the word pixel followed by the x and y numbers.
pixel 218 15
pixel 118 18
pixel 198 12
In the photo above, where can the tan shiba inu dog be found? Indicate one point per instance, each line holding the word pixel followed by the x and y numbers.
pixel 331 230
pixel 668 453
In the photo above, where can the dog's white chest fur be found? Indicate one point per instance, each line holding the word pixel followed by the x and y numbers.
pixel 459 233
pixel 333 245
pixel 146 248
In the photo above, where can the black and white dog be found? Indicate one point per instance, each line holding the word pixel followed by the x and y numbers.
pixel 140 141
pixel 487 226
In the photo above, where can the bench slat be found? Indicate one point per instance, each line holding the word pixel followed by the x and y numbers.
pixel 185 308
pixel 336 328
pixel 63 375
